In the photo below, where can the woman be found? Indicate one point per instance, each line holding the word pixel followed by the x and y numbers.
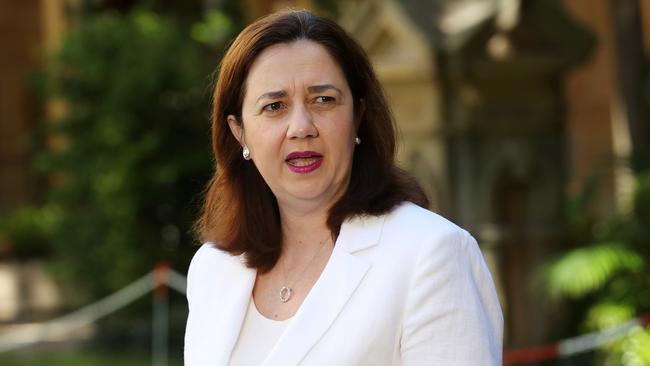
pixel 318 250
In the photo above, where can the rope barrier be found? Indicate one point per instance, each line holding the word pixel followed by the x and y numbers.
pixel 575 345
pixel 177 281
pixel 55 328
pixel 162 277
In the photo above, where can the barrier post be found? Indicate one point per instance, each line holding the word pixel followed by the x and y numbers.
pixel 160 322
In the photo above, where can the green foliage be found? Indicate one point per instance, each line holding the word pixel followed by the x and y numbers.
pixel 135 147
pixel 607 315
pixel 584 270
pixel 634 348
pixel 611 272
pixel 29 229
pixel 215 29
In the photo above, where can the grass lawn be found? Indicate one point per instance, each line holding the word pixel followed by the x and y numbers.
pixel 81 358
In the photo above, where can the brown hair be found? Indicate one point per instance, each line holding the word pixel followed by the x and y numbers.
pixel 240 214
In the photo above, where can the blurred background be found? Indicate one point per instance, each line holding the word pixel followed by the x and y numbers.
pixel 526 121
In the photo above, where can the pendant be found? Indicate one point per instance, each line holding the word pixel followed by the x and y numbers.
pixel 285 294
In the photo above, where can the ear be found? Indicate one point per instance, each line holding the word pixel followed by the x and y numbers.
pixel 236 128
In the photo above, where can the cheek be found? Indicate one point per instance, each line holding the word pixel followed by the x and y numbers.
pixel 266 148
pixel 341 140
pixel 263 136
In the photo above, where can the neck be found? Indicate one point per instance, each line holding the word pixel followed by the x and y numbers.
pixel 304 232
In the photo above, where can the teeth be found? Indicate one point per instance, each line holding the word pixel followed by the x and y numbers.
pixel 302 161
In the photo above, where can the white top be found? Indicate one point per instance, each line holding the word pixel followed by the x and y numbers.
pixel 408 288
pixel 257 338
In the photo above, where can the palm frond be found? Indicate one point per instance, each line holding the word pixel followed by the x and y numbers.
pixel 585 270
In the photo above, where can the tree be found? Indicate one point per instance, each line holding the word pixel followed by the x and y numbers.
pixel 135 147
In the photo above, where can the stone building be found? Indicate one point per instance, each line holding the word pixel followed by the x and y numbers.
pixel 507 110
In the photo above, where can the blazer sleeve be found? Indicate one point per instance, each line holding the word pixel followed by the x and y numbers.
pixel 195 333
pixel 452 313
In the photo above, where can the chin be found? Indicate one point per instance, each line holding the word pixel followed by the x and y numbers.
pixel 311 192
pixel 306 195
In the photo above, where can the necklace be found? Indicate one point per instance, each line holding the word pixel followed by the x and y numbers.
pixel 286 291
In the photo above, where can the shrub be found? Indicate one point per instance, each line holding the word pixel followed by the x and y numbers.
pixel 133 151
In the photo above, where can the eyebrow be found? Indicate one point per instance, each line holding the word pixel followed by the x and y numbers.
pixel 321 88
pixel 312 89
pixel 272 95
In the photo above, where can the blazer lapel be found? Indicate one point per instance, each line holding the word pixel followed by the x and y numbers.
pixel 340 278
pixel 221 313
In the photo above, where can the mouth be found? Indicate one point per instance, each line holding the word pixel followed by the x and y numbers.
pixel 304 161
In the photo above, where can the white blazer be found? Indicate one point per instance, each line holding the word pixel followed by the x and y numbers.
pixel 405 288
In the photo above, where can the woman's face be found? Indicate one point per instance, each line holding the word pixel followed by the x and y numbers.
pixel 298 123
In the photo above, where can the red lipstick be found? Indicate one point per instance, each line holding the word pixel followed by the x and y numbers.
pixel 304 162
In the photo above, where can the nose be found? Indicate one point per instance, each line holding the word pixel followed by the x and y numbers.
pixel 301 123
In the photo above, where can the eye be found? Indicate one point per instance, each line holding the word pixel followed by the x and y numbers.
pixel 324 99
pixel 273 107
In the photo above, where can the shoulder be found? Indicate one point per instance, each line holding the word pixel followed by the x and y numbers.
pixel 423 230
pixel 420 219
pixel 206 256
pixel 451 299
pixel 428 241
pixel 210 258
pixel 207 263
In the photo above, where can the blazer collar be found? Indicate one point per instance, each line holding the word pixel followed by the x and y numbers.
pixel 336 284
pixel 360 232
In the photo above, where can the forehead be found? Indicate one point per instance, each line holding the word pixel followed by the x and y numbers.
pixel 293 65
